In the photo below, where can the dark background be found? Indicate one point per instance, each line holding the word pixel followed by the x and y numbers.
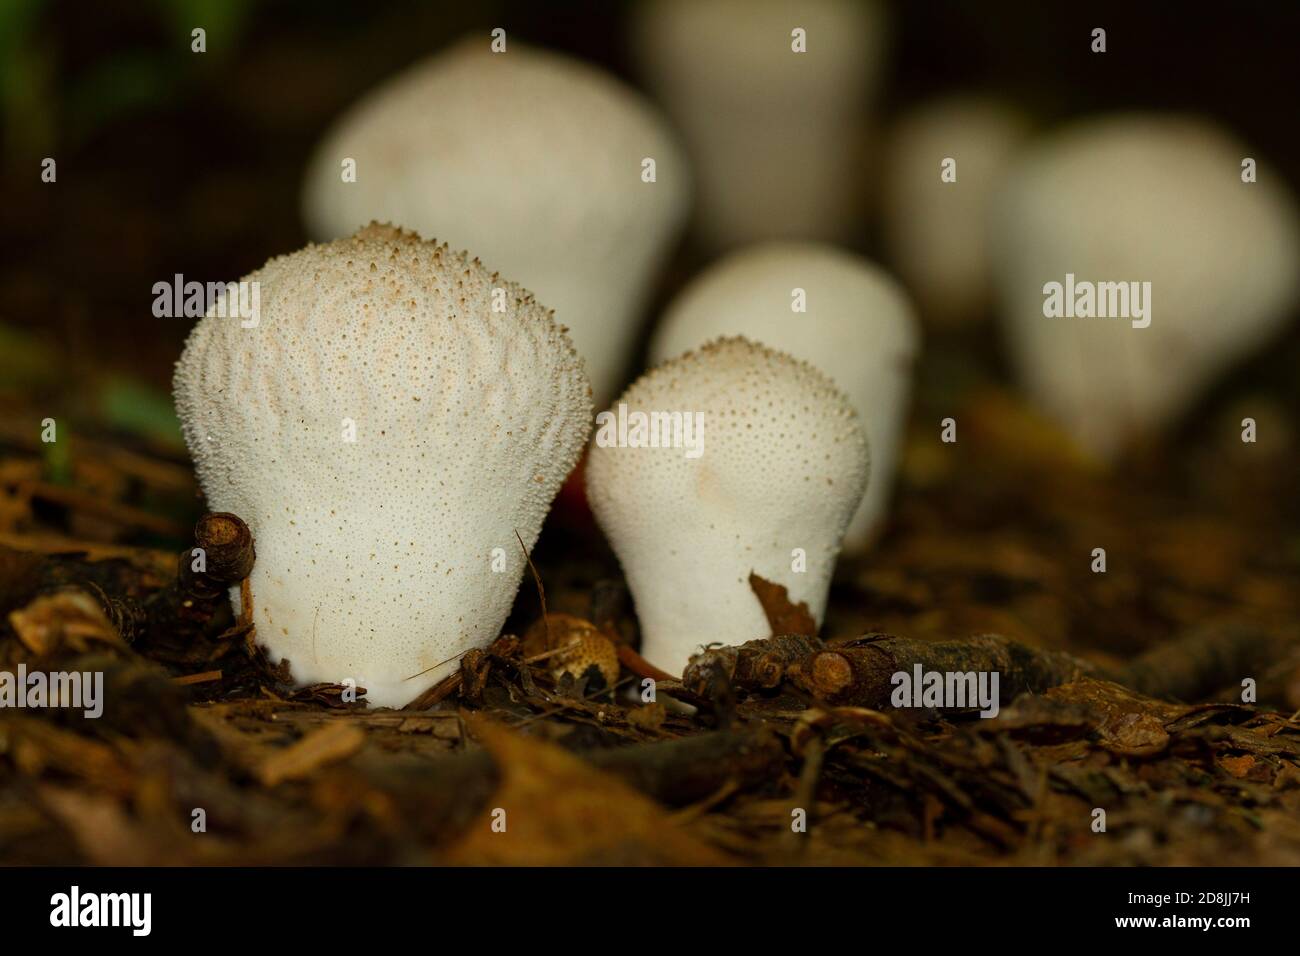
pixel 170 161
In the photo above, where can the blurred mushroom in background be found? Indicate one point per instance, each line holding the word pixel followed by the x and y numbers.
pixel 552 171
pixel 1134 265
pixel 942 163
pixel 774 101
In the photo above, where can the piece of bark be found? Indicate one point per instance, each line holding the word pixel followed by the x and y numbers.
pixel 861 672
pixel 754 665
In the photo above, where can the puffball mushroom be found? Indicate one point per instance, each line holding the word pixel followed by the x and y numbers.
pixel 1137 199
pixel 769 489
pixel 383 430
pixel 859 328
pixel 936 227
pixel 775 135
pixel 533 160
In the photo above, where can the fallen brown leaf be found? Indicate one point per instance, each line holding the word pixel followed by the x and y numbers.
pixel 783 616
pixel 552 809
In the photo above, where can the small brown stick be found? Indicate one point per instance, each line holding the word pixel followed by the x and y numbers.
pixel 471 662
pixel 201 678
pixel 537 581
pixel 861 672
pixel 754 665
pixel 437 693
pixel 228 545
pixel 181 610
pixel 638 665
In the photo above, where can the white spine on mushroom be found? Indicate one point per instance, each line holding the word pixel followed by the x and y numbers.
pixel 859 328
pixel 374 556
pixel 935 212
pixel 776 136
pixel 534 161
pixel 784 465
pixel 1140 199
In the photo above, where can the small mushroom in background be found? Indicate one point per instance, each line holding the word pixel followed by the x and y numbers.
pixel 771 465
pixel 942 163
pixel 1135 200
pixel 857 326
pixel 537 162
pixel 775 136
pixel 385 433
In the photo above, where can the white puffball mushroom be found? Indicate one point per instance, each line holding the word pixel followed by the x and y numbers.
pixel 780 469
pixel 859 328
pixel 776 136
pixel 943 161
pixel 536 162
pixel 383 431
pixel 1137 199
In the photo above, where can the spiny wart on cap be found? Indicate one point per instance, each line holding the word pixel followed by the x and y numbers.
pixel 783 468
pixel 382 430
pixel 858 327
pixel 533 160
pixel 1134 198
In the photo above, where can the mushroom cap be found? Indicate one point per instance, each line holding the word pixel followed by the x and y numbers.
pixel 859 329
pixel 936 231
pixel 375 556
pixel 531 159
pixel 1140 198
pixel 783 467
pixel 776 137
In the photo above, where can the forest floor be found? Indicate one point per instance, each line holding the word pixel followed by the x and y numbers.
pixel 1123 736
